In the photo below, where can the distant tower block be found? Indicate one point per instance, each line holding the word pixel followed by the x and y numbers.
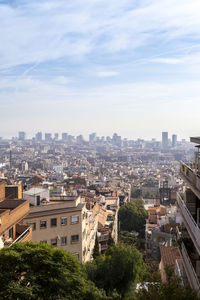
pixel 165 140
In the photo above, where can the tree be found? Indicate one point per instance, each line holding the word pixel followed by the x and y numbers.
pixel 127 238
pixel 135 193
pixel 155 289
pixel 121 266
pixel 133 216
pixel 96 248
pixel 30 271
pixel 161 291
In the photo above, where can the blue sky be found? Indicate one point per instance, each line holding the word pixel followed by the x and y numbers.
pixel 79 66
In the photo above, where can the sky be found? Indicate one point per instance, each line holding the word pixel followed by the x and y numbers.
pixel 81 66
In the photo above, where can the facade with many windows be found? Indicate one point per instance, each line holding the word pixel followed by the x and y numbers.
pixel 63 223
pixel 189 205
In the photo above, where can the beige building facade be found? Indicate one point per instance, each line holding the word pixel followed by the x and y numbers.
pixel 64 223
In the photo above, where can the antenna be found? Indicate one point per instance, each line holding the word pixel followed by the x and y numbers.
pixel 10 159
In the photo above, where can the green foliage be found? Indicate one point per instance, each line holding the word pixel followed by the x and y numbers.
pixel 127 238
pixel 157 290
pixel 135 193
pixel 30 271
pixel 138 201
pixel 115 271
pixel 96 252
pixel 111 242
pixel 133 216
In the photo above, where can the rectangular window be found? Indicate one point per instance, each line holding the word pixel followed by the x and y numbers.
pixel 54 222
pixel 43 224
pixel 54 242
pixel 33 226
pixel 74 238
pixel 10 233
pixel 74 219
pixel 63 240
pixel 63 220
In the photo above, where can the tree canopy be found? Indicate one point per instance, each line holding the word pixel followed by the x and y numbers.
pixel 96 251
pixel 127 238
pixel 120 266
pixel 132 217
pixel 173 290
pixel 39 271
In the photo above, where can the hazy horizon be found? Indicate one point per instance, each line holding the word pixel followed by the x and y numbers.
pixel 130 67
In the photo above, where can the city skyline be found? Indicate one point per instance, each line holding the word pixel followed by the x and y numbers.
pixel 99 66
pixel 93 136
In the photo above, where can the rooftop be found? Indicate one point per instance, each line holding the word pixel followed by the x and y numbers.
pixel 11 204
pixel 169 255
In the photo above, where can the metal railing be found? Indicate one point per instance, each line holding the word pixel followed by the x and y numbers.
pixel 189 220
pixel 189 269
pixel 190 175
pixel 25 233
pixel 103 238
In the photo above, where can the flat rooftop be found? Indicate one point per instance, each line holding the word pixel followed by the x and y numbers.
pixel 11 204
pixel 55 211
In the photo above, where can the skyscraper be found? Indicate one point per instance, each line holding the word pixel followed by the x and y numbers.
pixel 165 140
pixel 21 135
pixel 38 136
pixel 64 136
pixel 47 137
pixel 174 140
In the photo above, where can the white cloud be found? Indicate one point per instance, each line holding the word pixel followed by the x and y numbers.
pixel 42 31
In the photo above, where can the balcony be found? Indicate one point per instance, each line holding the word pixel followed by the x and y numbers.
pixel 189 270
pixel 23 234
pixel 191 178
pixel 190 223
pixel 104 247
pixel 104 238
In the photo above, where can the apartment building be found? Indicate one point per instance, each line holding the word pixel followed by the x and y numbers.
pixel 11 231
pixel 189 205
pixel 2 190
pixel 64 222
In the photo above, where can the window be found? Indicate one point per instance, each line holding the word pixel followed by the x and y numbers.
pixel 74 238
pixel 43 224
pixel 10 233
pixel 33 226
pixel 74 219
pixel 63 220
pixel 76 255
pixel 54 242
pixel 53 222
pixel 63 240
pixel 38 200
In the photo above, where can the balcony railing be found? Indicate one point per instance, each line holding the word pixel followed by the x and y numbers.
pixel 189 221
pixel 192 178
pixel 189 269
pixel 23 236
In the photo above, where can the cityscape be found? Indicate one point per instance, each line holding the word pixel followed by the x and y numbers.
pixel 70 193
pixel 99 150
